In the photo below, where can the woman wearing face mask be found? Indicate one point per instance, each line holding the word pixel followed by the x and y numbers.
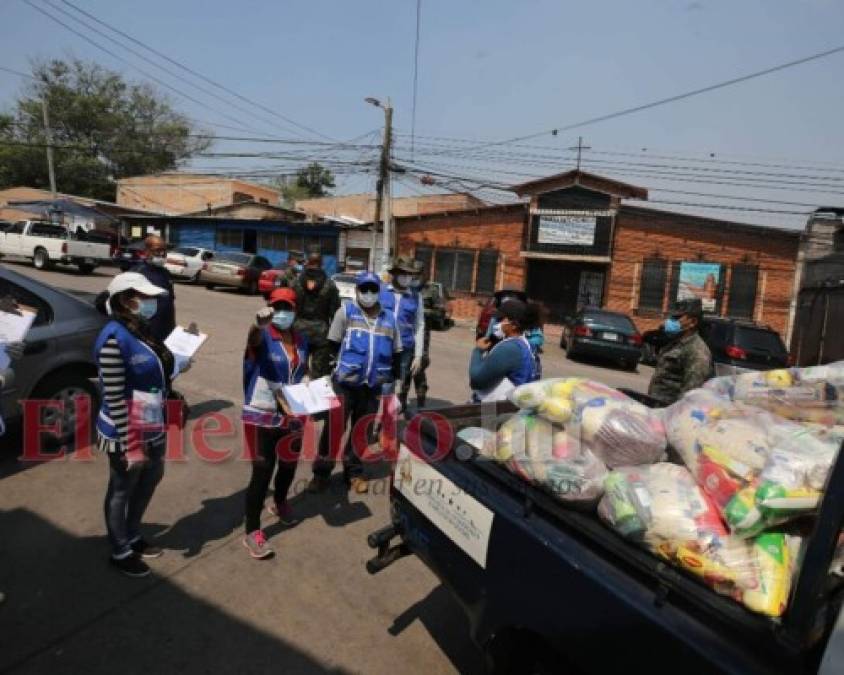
pixel 135 372
pixel 494 370
pixel 275 355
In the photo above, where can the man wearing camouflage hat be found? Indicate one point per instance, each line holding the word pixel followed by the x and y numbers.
pixel 684 363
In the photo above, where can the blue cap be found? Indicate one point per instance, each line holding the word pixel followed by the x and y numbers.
pixel 367 278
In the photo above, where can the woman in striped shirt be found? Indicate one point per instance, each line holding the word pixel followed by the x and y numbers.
pixel 135 373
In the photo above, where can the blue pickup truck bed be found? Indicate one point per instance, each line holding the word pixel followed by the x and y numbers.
pixel 551 589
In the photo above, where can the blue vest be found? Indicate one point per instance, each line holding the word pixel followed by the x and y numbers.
pixel 366 355
pixel 527 370
pixel 406 315
pixel 264 374
pixel 145 392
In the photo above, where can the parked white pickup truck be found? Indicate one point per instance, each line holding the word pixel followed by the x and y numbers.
pixel 45 244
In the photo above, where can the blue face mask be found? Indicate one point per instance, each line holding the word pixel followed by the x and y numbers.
pixel 672 326
pixel 147 308
pixel 283 318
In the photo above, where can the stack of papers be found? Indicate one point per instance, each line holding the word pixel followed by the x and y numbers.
pixel 13 328
pixel 309 398
pixel 183 345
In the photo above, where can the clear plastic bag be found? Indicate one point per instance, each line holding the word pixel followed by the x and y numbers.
pixel 760 470
pixel 619 430
pixel 546 456
pixel 662 508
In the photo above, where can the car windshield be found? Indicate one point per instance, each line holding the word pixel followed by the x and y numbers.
pixel 759 339
pixel 608 320
pixel 189 252
pixel 344 278
pixel 235 258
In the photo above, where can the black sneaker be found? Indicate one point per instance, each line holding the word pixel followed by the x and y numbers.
pixel 131 566
pixel 145 550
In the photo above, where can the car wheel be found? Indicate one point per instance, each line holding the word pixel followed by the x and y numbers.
pixel 66 387
pixel 562 340
pixel 210 287
pixel 570 352
pixel 86 268
pixel 41 259
pixel 629 364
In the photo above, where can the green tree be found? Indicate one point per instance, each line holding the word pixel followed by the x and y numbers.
pixel 313 180
pixel 103 128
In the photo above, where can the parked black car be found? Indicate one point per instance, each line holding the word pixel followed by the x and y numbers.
pixel 599 332
pixel 736 345
pixel 128 256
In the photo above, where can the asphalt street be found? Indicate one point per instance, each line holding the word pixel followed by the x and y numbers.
pixel 208 607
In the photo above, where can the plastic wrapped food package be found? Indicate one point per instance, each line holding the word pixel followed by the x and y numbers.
pixel 619 430
pixel 483 440
pixel 662 508
pixel 545 455
pixel 814 394
pixel 760 470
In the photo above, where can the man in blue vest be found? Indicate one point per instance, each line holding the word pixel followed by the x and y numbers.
pixel 403 300
pixel 152 267
pixel 366 340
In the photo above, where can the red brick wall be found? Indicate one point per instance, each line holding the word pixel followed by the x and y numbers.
pixel 641 234
pixel 487 228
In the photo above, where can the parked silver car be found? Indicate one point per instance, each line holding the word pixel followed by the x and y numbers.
pixel 58 361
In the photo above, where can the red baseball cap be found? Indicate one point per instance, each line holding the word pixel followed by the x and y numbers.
pixel 283 295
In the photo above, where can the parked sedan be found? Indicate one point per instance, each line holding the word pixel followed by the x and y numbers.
pixel 58 361
pixel 739 346
pixel 185 262
pixel 599 332
pixel 234 270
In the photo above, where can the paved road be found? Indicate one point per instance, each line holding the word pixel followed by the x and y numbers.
pixel 208 607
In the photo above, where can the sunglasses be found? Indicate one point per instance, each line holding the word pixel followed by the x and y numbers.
pixel 368 288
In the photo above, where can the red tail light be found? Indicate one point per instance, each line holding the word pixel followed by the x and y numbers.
pixel 636 339
pixel 64 247
pixel 736 352
pixel 582 331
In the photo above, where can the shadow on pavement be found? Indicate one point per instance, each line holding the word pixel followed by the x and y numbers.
pixel 446 622
pixel 216 520
pixel 332 504
pixel 67 611
pixel 211 406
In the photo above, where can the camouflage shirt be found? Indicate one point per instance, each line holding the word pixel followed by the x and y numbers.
pixel 682 365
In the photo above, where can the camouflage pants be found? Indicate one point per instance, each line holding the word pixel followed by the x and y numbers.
pixel 420 380
pixel 320 364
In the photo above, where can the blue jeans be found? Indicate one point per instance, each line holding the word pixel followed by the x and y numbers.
pixel 128 495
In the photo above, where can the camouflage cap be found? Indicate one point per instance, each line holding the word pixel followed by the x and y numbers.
pixel 689 307
pixel 403 263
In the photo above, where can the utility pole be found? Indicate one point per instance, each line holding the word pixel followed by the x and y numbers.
pixel 382 189
pixel 49 136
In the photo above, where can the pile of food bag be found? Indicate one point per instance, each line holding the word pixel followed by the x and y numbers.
pixel 662 508
pixel 749 459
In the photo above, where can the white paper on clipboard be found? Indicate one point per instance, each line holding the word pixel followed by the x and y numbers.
pixel 183 344
pixel 309 398
pixel 14 327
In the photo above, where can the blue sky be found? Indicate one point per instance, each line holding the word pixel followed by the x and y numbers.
pixel 495 69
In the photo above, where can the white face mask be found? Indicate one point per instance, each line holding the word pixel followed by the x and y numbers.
pixel 158 261
pixel 404 280
pixel 498 331
pixel 367 300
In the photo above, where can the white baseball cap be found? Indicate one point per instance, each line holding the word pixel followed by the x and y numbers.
pixel 133 281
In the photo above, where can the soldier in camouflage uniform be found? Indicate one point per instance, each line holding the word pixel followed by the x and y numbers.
pixel 420 379
pixel 317 301
pixel 685 363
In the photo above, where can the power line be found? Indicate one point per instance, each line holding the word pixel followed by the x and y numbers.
pixel 148 60
pixel 415 77
pixel 679 97
pixel 18 73
pixel 197 74
pixel 126 61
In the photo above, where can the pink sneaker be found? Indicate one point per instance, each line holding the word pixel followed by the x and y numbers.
pixel 284 513
pixel 256 543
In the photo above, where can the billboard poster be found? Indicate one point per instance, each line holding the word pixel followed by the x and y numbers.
pixel 700 280
pixel 566 230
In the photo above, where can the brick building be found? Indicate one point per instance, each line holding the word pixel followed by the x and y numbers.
pixel 575 243
pixel 180 193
